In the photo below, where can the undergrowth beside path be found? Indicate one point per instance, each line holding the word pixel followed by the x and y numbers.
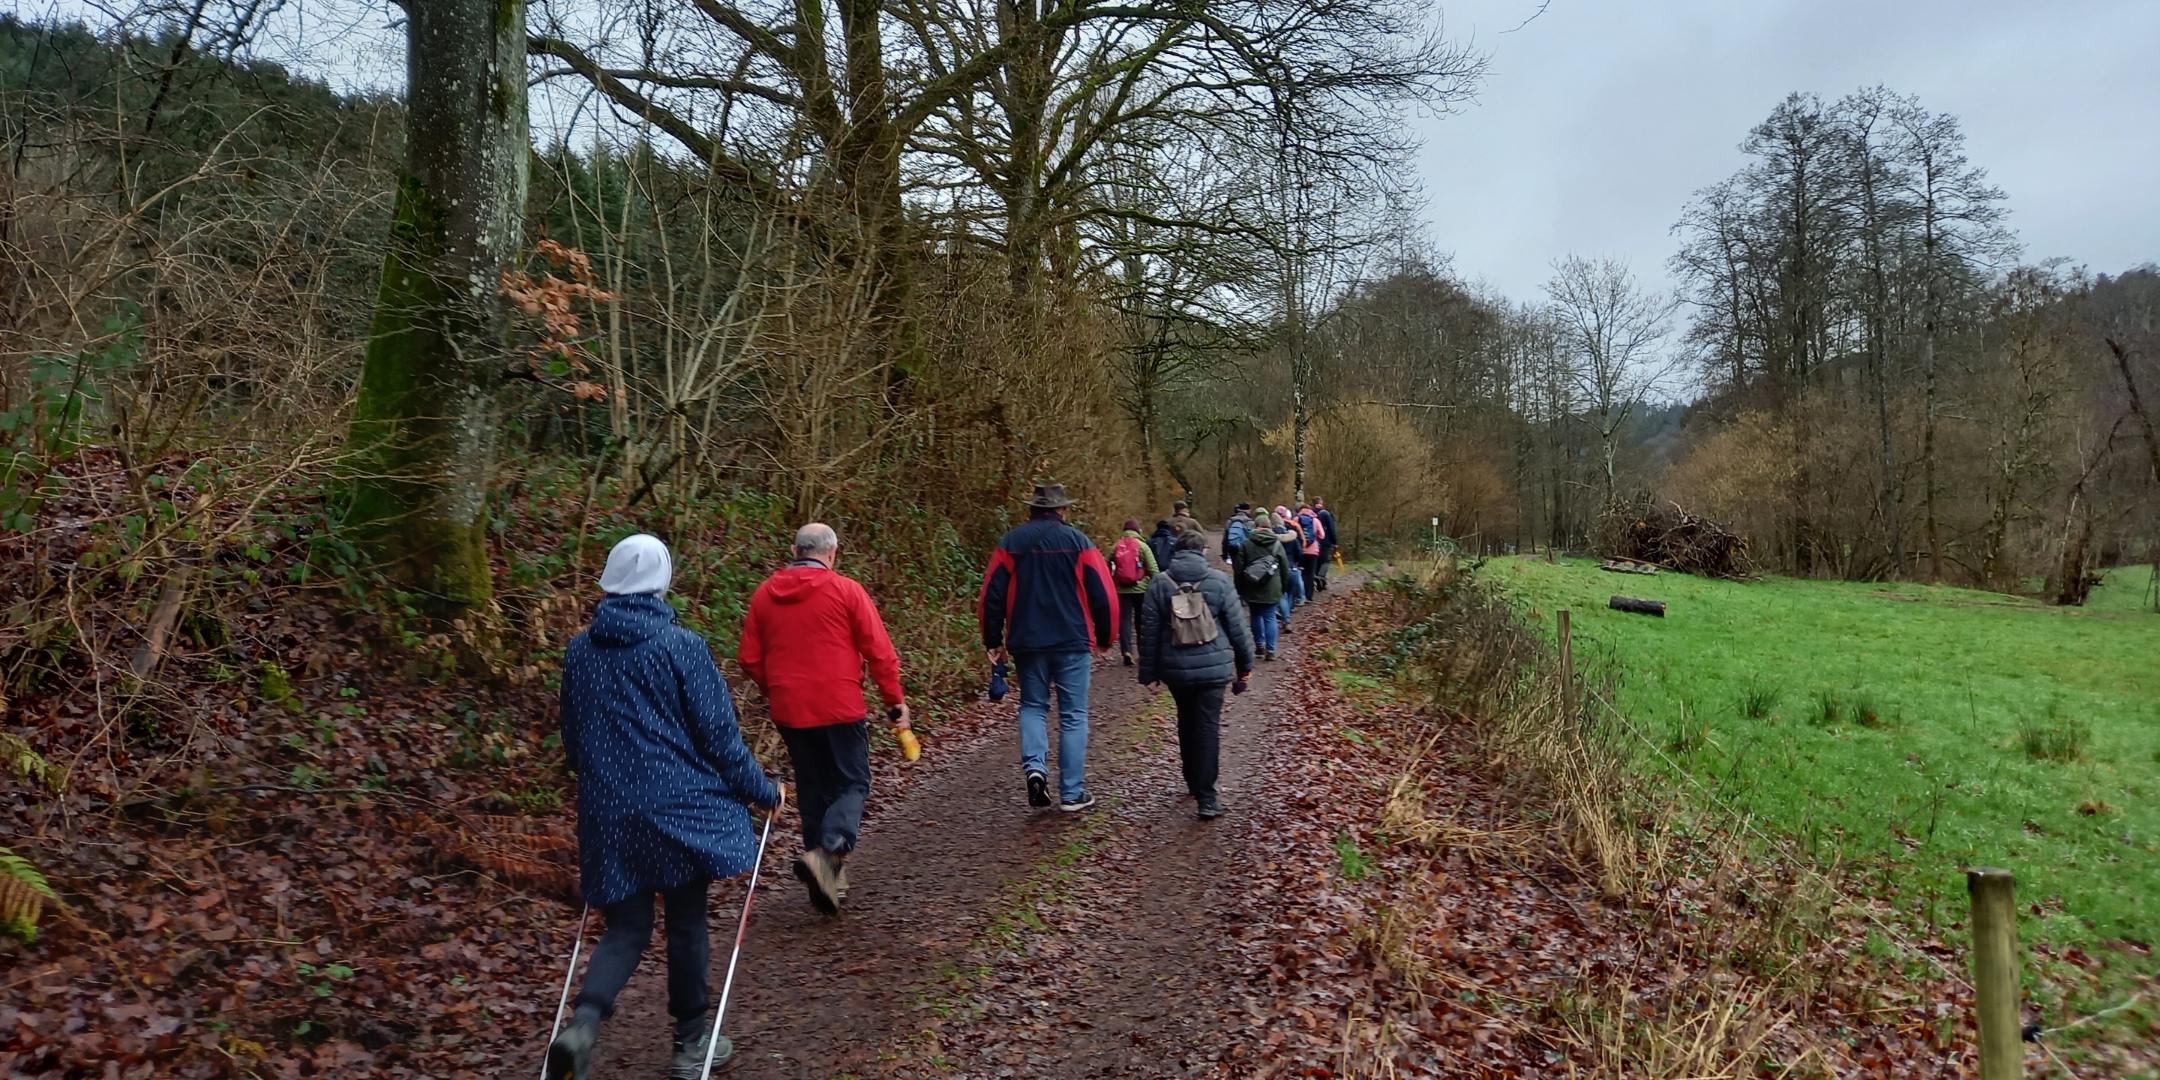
pixel 1488 933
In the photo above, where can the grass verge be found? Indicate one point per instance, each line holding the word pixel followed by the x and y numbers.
pixel 1910 731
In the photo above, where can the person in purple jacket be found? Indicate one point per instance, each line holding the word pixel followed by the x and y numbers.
pixel 1046 598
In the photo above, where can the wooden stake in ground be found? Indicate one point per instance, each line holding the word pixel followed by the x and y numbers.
pixel 1567 662
pixel 1995 972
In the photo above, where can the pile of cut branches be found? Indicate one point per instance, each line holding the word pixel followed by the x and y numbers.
pixel 1662 533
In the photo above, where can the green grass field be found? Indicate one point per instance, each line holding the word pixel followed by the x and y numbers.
pixel 1904 725
pixel 2125 588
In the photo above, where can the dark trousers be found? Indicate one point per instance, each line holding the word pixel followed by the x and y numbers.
pixel 1314 582
pixel 832 779
pixel 689 953
pixel 1199 736
pixel 1128 621
pixel 1327 562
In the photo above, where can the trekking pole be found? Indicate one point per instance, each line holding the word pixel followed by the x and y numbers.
pixel 741 929
pixel 564 1003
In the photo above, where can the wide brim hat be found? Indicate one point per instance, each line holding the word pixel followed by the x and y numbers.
pixel 1049 497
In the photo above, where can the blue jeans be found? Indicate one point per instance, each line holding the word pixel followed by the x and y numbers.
pixel 1068 671
pixel 1263 626
pixel 1297 587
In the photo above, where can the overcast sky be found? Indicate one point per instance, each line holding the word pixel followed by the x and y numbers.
pixel 1600 117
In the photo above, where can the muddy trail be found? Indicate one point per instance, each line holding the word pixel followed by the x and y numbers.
pixel 908 981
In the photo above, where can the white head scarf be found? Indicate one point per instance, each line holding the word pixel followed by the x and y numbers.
pixel 639 564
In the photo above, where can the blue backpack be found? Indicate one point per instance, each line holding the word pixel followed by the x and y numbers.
pixel 1234 535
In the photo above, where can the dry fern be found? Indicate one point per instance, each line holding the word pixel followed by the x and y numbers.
pixel 526 852
pixel 23 892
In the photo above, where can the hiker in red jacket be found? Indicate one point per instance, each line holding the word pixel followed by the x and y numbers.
pixel 809 633
pixel 1046 597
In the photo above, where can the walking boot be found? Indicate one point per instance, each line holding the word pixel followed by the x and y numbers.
pixel 569 1057
pixel 813 869
pixel 689 1063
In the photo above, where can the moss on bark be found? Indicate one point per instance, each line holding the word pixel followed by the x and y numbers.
pixel 403 427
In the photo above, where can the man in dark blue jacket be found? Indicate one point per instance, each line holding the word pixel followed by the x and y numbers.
pixel 664 783
pixel 1046 599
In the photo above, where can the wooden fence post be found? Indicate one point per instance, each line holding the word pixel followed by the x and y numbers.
pixel 1567 662
pixel 1996 987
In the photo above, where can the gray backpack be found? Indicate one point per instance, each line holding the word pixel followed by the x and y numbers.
pixel 1192 622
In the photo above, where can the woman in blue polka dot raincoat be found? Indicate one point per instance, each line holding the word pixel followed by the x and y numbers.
pixel 664 790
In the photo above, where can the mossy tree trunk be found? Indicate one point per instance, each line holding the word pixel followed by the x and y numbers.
pixel 423 428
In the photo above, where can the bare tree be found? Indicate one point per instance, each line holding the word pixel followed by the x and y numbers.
pixel 1959 220
pixel 1613 329
pixel 1881 219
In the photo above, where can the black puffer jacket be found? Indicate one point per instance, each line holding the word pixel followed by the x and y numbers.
pixel 1212 664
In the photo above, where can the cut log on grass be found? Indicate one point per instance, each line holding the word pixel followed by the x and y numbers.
pixel 1639 607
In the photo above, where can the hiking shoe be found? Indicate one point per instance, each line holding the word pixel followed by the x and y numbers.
pixel 840 881
pixel 690 1055
pixel 815 870
pixel 1128 659
pixel 1271 654
pixel 569 1057
pixel 1074 806
pixel 1210 809
pixel 1038 788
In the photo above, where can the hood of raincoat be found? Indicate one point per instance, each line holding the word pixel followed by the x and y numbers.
pixel 630 620
pixel 800 582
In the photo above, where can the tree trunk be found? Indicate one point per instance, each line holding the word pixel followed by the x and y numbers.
pixel 1998 532
pixel 1299 421
pixel 423 427
pixel 1027 89
pixel 868 145
pixel 1146 421
pixel 1609 450
pixel 2152 442
pixel 2072 585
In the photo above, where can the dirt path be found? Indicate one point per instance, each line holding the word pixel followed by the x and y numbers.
pixel 1144 896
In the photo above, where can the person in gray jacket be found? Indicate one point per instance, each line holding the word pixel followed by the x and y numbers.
pixel 1196 640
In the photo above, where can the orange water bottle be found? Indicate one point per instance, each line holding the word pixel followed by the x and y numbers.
pixel 910 747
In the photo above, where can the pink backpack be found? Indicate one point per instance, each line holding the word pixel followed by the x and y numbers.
pixel 1125 562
